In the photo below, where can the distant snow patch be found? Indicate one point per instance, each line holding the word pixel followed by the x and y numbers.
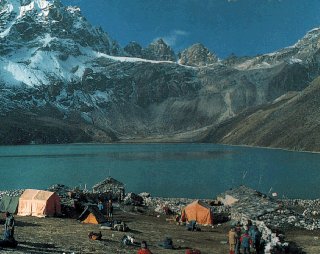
pixel 47 39
pixel 129 59
pixel 73 9
pixel 100 96
pixel 294 60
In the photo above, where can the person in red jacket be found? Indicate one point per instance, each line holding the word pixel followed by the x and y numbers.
pixel 144 248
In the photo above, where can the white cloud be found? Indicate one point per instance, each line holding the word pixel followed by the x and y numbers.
pixel 181 32
pixel 173 37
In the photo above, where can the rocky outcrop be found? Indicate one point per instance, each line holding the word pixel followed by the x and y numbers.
pixel 289 122
pixel 292 77
pixel 273 212
pixel 35 23
pixel 160 51
pixel 197 55
pixel 134 49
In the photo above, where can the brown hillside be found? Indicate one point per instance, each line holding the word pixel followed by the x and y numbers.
pixel 291 122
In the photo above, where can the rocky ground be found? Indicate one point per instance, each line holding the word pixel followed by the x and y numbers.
pixel 292 225
pixel 60 235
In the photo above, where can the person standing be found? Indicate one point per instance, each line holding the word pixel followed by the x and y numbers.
pixel 246 242
pixel 256 239
pixel 232 239
pixel 238 233
pixel 8 227
pixel 110 209
pixel 100 206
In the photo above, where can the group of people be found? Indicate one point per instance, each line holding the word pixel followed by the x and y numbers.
pixel 247 239
pixel 106 209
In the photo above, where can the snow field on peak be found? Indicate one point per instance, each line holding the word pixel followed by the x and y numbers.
pixel 15 74
pixel 42 7
pixel 14 6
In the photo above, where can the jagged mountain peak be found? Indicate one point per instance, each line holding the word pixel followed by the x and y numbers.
pixel 28 19
pixel 42 41
pixel 17 9
pixel 159 41
pixel 197 55
pixel 309 43
pixel 134 49
pixel 160 51
pixel 310 37
pixel 304 52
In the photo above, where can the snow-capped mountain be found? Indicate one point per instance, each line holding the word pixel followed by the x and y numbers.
pixel 40 39
pixel 55 66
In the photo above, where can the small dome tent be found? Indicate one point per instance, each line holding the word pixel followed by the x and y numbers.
pixel 92 215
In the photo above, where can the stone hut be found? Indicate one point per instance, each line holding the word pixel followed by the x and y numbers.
pixel 248 204
pixel 245 202
pixel 114 189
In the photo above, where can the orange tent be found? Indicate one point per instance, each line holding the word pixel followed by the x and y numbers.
pixel 39 203
pixel 92 215
pixel 198 211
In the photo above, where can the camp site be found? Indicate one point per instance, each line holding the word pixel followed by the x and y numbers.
pixel 72 220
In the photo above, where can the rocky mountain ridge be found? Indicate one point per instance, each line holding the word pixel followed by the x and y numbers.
pixel 289 122
pixel 57 68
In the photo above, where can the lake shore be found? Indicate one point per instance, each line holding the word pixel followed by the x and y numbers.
pixel 185 166
pixel 62 235
pixel 147 221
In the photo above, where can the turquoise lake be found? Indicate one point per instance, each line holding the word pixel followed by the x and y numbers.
pixel 168 170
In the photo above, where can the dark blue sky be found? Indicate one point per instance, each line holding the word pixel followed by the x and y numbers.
pixel 243 27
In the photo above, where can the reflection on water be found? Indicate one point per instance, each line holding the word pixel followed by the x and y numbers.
pixel 181 170
pixel 197 155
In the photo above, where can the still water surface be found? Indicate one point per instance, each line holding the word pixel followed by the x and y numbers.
pixel 169 170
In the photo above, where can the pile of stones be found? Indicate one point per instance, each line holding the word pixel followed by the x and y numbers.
pixel 270 214
pixel 251 204
pixel 156 204
pixel 64 192
pixel 60 189
pixel 11 193
pixel 285 218
pixel 311 208
pixel 173 204
pixel 133 199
